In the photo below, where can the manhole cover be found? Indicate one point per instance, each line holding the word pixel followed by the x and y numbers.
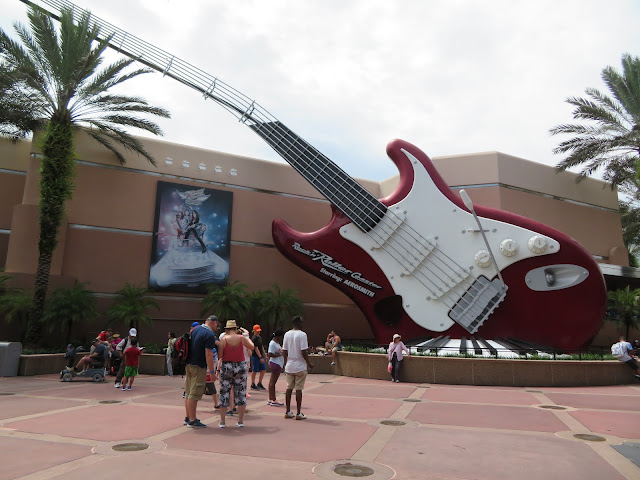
pixel 589 437
pixel 324 381
pixel 109 402
pixel 553 407
pixel 130 447
pixel 412 400
pixel 393 423
pixel 7 393
pixel 533 391
pixel 353 470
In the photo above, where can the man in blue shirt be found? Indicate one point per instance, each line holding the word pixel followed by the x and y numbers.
pixel 199 362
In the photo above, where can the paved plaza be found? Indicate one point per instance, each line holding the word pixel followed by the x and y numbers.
pixel 355 428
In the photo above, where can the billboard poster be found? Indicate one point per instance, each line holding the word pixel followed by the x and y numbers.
pixel 191 238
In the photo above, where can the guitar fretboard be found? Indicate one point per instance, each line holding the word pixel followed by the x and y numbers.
pixel 348 196
pixel 340 189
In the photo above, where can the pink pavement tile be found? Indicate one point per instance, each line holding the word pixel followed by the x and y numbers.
pixel 99 422
pixel 381 390
pixel 602 402
pixel 19 406
pixel 487 416
pixel 619 424
pixel 603 390
pixel 90 390
pixel 312 440
pixel 423 453
pixel 341 407
pixel 41 455
pixel 480 395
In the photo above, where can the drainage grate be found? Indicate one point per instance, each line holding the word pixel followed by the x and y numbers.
pixel 130 447
pixel 393 423
pixel 109 402
pixel 553 407
pixel 589 437
pixel 353 470
pixel 413 400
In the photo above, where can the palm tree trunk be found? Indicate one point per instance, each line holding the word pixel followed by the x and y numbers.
pixel 56 186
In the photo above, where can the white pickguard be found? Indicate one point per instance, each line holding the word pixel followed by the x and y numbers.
pixel 434 243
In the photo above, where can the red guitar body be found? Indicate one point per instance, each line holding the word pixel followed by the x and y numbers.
pixel 567 318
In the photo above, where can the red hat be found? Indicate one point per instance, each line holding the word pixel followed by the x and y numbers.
pixel 256 328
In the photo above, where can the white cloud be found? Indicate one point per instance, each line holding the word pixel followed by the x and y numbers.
pixel 450 76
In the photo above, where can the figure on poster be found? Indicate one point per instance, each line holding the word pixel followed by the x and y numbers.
pixel 192 237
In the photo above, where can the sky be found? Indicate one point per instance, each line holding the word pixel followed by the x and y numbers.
pixel 450 76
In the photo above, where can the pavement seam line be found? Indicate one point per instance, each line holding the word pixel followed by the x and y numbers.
pixel 622 464
pixel 565 417
pixel 370 450
pixel 59 470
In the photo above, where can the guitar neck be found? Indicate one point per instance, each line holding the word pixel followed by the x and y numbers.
pixel 347 195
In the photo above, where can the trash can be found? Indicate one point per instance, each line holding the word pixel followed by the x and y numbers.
pixel 10 358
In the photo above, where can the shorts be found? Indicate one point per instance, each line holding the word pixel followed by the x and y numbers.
pixel 295 381
pixel 275 368
pixel 257 365
pixel 130 371
pixel 194 385
pixel 632 363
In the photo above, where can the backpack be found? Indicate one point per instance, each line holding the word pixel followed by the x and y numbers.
pixel 618 350
pixel 181 348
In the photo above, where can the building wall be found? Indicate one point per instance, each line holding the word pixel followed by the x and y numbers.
pixel 106 240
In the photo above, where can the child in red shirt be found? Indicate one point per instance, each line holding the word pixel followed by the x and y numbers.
pixel 132 360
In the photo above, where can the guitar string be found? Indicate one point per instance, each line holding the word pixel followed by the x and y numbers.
pixel 236 97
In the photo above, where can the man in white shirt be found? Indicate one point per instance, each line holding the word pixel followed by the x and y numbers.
pixel 296 363
pixel 623 351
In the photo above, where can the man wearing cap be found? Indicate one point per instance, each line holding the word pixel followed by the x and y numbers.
pixel 97 356
pixel 120 348
pixel 199 363
pixel 258 359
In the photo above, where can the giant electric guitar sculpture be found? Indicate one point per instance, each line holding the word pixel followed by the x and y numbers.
pixel 415 262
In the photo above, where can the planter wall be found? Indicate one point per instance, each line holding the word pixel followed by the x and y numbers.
pixel 450 371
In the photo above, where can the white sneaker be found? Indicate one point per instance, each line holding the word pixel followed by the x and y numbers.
pixel 117 385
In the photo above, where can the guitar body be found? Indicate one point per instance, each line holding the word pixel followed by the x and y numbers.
pixel 565 314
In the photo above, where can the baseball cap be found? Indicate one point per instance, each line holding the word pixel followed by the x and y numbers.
pixel 195 324
pixel 133 332
pixel 256 328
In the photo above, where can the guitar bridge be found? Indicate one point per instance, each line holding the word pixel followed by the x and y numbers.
pixel 477 303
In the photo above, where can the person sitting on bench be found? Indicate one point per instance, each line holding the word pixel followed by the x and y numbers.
pixel 94 360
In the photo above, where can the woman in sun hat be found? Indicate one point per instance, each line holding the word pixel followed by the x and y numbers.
pixel 233 371
pixel 397 352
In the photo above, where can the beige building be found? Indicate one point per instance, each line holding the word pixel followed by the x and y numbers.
pixel 107 238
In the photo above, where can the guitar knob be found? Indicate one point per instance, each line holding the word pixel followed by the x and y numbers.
pixel 482 258
pixel 538 244
pixel 508 247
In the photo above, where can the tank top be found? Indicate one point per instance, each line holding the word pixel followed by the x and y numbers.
pixel 233 353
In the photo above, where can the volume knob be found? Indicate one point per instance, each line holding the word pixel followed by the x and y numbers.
pixel 508 247
pixel 538 244
pixel 482 259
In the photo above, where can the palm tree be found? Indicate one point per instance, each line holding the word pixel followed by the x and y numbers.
pixel 58 76
pixel 630 219
pixel 278 307
pixel 69 306
pixel 227 301
pixel 132 303
pixel 610 138
pixel 624 304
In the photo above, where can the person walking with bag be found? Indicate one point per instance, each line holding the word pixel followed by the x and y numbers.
pixel 397 351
